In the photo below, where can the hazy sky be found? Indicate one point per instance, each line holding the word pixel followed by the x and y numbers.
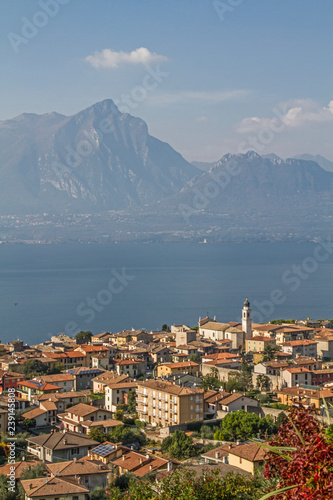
pixel 209 77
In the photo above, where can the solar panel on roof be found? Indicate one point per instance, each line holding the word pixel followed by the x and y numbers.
pixel 103 449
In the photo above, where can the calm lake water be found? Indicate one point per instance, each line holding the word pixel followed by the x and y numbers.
pixel 47 289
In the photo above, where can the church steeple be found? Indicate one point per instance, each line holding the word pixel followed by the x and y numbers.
pixel 247 319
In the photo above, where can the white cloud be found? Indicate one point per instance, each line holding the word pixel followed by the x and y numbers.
pixel 291 114
pixel 164 99
pixel 108 58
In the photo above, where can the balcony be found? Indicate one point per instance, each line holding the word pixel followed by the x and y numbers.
pixel 33 451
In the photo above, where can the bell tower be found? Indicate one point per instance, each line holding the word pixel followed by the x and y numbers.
pixel 246 319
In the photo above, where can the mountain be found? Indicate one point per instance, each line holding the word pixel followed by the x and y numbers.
pixel 98 159
pixel 203 165
pixel 244 186
pixel 323 162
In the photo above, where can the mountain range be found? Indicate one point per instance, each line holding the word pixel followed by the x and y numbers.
pixel 105 163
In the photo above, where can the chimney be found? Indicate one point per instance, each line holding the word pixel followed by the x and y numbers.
pixel 123 458
pixel 150 467
pixel 141 460
pixel 217 454
pixel 147 456
pixel 169 466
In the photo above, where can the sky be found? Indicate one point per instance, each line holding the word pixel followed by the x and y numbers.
pixel 208 77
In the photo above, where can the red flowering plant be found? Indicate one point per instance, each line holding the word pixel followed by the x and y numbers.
pixel 301 456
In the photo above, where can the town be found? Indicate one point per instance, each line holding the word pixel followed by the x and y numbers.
pixel 96 413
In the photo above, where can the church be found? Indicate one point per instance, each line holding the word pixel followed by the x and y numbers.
pixel 237 333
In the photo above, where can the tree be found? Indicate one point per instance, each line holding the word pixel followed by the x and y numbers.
pixel 211 379
pixel 165 328
pixel 240 425
pixel 131 402
pixel 34 367
pixel 179 445
pixel 269 352
pixel 98 435
pixel 240 380
pixel 29 422
pixel 119 415
pixel 35 472
pixel 195 358
pixel 82 337
pixel 263 382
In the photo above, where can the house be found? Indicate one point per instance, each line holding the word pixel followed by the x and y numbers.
pixel 45 415
pixel 106 452
pixel 183 334
pixel 90 351
pixel 131 367
pixel 212 401
pixel 19 467
pixel 258 343
pixel 91 474
pixel 64 399
pixel 78 418
pixel 53 487
pixel 246 456
pixel 160 354
pixel 138 464
pixel 303 347
pixel 127 336
pixel 63 380
pixel 163 403
pixel 325 347
pixel 103 379
pixel 9 380
pixel 321 377
pixel 167 369
pixel 67 359
pixel 236 402
pixel 31 389
pixel 116 394
pixel 101 338
pixel 83 377
pixel 60 446
pixel 308 397
pixel 296 376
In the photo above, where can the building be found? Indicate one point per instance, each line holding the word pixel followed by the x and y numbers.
pixel 31 389
pixel 183 334
pixel 52 488
pixel 308 397
pixel 325 347
pixel 246 456
pixel 302 347
pixel 63 399
pixel 101 338
pixel 167 369
pixel 162 403
pixel 258 343
pixel 63 380
pixel 246 319
pixel 91 474
pixel 90 351
pixel 321 377
pixel 131 367
pixel 101 381
pixel 116 394
pixel 78 418
pixel 83 377
pixel 296 376
pixel 60 446
pixel 9 380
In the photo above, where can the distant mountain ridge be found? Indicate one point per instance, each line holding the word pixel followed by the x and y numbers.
pixel 99 159
pixel 104 163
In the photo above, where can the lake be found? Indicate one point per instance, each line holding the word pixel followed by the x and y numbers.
pixel 48 289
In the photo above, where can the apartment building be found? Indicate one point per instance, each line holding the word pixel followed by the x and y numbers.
pixel 162 403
